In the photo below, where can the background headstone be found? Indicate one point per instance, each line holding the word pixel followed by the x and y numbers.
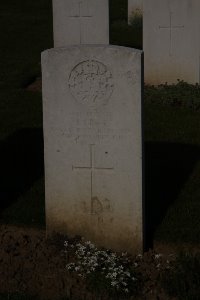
pixel 93 144
pixel 77 22
pixel 134 7
pixel 171 31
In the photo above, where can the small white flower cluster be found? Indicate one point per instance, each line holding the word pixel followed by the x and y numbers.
pixel 117 270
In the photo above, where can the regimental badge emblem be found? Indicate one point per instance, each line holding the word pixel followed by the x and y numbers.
pixel 91 83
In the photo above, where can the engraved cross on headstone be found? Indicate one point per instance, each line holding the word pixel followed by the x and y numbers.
pixel 171 27
pixel 81 13
pixel 92 168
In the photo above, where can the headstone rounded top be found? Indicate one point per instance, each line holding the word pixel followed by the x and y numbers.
pixel 91 83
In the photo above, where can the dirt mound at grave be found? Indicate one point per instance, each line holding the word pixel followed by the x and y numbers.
pixel 32 265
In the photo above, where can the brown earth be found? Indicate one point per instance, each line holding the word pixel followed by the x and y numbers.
pixel 29 264
pixel 32 265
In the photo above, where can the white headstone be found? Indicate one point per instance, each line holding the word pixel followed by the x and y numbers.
pixel 134 7
pixel 171 41
pixel 77 22
pixel 93 144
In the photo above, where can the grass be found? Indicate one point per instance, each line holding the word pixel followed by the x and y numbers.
pixel 183 281
pixel 171 131
pixel 172 163
pixel 171 126
pixel 120 32
pixel 171 123
pixel 19 211
pixel 27 32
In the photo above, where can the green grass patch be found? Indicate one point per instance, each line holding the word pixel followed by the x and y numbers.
pixel 179 95
pixel 171 130
pixel 121 33
pixel 118 10
pixel 27 32
pixel 171 127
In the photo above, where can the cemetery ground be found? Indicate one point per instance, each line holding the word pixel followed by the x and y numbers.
pixel 30 265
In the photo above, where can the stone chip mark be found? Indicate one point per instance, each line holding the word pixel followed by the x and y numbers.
pixel 91 83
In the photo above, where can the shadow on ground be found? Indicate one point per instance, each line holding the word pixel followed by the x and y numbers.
pixel 21 161
pixel 167 168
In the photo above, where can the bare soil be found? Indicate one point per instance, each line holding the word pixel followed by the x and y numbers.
pixel 32 265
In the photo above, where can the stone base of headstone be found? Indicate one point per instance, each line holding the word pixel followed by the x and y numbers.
pixel 93 144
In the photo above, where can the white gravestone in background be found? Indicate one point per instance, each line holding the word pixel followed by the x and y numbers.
pixel 93 144
pixel 134 7
pixel 77 22
pixel 171 41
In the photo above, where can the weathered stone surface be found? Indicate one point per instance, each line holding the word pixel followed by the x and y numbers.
pixel 77 22
pixel 171 41
pixel 93 144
